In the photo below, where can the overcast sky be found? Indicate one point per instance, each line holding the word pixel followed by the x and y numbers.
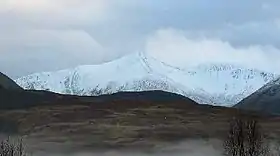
pixel 46 35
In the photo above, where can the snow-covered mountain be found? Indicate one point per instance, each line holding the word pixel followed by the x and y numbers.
pixel 217 84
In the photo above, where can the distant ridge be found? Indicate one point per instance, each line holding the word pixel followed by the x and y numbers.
pixel 14 97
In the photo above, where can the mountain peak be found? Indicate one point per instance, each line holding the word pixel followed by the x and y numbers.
pixel 217 84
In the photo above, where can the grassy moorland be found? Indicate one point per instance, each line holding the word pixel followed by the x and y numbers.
pixel 124 122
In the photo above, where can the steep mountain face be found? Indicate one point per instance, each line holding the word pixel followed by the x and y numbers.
pixel 217 84
pixel 7 83
pixel 265 99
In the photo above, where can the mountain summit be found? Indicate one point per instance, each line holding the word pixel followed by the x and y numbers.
pixel 217 84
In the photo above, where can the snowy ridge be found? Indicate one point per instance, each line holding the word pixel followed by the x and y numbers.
pixel 270 85
pixel 217 84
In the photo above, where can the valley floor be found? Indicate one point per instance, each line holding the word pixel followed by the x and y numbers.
pixel 126 125
pixel 193 147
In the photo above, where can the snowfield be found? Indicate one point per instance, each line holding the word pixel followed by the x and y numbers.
pixel 216 84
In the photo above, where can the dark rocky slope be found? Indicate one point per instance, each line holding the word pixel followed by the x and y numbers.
pixel 7 83
pixel 266 99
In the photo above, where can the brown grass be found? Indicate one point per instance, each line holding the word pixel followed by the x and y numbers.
pixel 127 123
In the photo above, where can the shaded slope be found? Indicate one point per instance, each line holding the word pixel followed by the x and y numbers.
pixel 13 99
pixel 23 99
pixel 266 99
pixel 151 96
pixel 7 83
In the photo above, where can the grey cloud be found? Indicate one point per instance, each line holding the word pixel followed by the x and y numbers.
pixel 27 51
pixel 122 26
